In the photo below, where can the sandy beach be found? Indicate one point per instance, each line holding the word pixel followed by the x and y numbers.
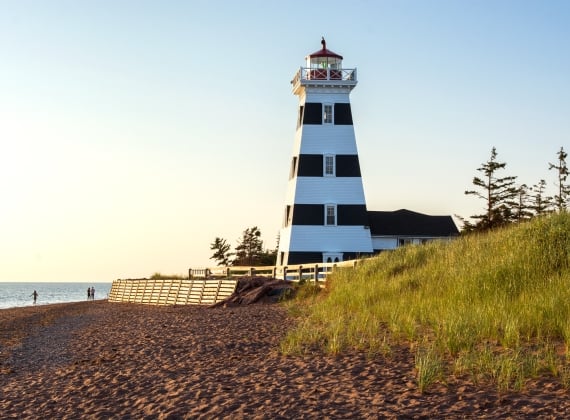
pixel 109 360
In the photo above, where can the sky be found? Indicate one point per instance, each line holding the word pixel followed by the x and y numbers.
pixel 133 133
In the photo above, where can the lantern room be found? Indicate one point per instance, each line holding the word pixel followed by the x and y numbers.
pixel 323 70
pixel 324 64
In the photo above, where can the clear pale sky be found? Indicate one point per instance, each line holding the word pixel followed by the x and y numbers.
pixel 132 133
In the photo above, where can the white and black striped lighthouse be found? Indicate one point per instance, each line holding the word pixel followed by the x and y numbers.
pixel 325 219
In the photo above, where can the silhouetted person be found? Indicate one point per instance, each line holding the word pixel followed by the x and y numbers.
pixel 88 293
pixel 35 295
pixel 93 293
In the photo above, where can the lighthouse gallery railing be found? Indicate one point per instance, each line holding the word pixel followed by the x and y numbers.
pixel 316 74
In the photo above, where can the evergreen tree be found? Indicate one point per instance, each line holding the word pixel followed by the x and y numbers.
pixel 498 193
pixel 250 248
pixel 522 209
pixel 561 199
pixel 222 252
pixel 539 203
pixel 268 257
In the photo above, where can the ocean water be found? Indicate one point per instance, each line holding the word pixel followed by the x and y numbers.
pixel 20 294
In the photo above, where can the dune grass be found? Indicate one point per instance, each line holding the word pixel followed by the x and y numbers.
pixel 495 306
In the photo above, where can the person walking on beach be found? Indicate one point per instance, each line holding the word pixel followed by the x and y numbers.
pixel 92 293
pixel 88 293
pixel 35 295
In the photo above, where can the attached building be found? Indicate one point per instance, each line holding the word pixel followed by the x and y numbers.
pixel 392 229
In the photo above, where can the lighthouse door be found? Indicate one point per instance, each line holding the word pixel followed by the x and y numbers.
pixel 332 257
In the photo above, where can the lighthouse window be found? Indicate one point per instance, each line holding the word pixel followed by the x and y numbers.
pixel 330 215
pixel 328 114
pixel 329 165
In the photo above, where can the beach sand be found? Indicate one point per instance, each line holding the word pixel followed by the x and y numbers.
pixel 110 360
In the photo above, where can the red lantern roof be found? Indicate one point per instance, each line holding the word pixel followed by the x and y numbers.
pixel 324 52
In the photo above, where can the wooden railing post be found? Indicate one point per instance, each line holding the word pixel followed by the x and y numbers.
pixel 300 272
pixel 316 274
pixel 284 273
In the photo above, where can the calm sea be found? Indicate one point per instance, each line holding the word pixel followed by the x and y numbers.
pixel 20 294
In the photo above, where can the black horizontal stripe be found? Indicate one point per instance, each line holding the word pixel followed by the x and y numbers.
pixel 310 257
pixel 310 165
pixel 308 214
pixel 352 215
pixel 297 257
pixel 313 165
pixel 347 166
pixel 342 114
pixel 313 113
pixel 314 214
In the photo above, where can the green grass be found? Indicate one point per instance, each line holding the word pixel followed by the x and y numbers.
pixel 495 306
pixel 429 367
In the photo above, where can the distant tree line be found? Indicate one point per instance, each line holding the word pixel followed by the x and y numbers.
pixel 249 250
pixel 508 202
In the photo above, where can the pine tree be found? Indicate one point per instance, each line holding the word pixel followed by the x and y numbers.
pixel 250 248
pixel 268 257
pixel 522 209
pixel 222 252
pixel 561 199
pixel 539 202
pixel 498 193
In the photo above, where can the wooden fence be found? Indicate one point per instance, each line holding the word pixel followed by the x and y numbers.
pixel 172 291
pixel 316 272
pixel 206 286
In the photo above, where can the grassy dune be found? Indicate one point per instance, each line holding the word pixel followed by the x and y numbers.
pixel 495 306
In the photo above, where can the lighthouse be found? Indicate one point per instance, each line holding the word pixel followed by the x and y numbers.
pixel 325 216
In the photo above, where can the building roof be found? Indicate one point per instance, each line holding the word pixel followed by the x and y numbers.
pixel 409 223
pixel 324 52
